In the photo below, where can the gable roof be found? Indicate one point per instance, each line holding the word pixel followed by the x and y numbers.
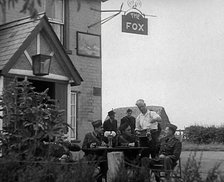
pixel 17 35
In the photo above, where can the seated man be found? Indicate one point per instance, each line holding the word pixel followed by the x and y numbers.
pixel 126 138
pixel 169 152
pixel 93 140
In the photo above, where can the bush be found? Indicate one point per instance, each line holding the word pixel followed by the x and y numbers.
pixel 30 119
pixel 192 171
pixel 204 135
pixel 11 171
pixel 82 171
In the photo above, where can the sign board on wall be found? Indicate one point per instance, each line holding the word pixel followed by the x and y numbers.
pixel 134 22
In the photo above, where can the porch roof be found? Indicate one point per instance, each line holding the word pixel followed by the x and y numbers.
pixel 17 35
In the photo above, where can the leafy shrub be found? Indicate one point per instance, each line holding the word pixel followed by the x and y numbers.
pixel 82 171
pixel 17 171
pixel 204 134
pixel 191 171
pixel 220 134
pixel 30 120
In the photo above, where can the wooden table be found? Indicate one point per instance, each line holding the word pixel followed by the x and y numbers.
pixel 130 152
pixel 113 149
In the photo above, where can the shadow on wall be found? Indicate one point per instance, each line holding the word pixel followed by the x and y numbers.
pixel 121 112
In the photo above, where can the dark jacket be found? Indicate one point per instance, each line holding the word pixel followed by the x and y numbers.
pixel 125 139
pixel 92 137
pixel 130 121
pixel 110 126
pixel 170 146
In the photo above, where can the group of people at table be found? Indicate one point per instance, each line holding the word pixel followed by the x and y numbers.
pixel 144 131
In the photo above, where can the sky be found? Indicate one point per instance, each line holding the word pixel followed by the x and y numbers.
pixel 179 65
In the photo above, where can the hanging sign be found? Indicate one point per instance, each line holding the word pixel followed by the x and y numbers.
pixel 134 22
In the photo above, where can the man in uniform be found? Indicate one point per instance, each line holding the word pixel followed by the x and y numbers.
pixel 129 120
pixel 148 122
pixel 169 152
pixel 95 138
pixel 111 123
pixel 92 140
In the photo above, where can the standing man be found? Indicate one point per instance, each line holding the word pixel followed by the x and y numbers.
pixel 111 123
pixel 129 120
pixel 148 121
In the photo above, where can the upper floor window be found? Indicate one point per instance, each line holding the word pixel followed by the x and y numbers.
pixel 55 11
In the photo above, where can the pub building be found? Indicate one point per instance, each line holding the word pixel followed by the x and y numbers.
pixel 59 50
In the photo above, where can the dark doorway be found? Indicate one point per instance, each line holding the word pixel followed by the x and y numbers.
pixel 57 91
pixel 41 86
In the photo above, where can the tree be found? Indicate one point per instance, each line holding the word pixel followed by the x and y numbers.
pixel 29 5
pixel 30 120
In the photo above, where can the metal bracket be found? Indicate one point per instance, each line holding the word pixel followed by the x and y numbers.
pixel 108 18
pixel 117 13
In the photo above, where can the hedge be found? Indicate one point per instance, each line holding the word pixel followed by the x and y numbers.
pixel 204 134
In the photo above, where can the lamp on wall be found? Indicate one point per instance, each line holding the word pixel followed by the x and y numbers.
pixel 41 64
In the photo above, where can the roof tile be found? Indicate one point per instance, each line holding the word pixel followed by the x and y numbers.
pixel 12 35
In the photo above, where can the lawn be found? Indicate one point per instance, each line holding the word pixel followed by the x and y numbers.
pixel 208 160
pixel 202 147
pixel 210 154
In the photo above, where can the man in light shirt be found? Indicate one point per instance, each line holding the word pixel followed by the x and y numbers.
pixel 148 122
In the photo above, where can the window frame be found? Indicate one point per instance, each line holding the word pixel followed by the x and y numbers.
pixel 55 20
pixel 58 22
pixel 73 133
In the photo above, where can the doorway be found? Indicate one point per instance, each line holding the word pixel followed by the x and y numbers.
pixel 41 86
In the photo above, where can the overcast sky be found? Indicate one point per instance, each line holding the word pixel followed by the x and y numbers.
pixel 179 65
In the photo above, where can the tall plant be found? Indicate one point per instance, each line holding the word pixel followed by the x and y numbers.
pixel 29 118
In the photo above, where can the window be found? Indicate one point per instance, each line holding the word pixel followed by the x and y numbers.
pixel 73 116
pixel 55 11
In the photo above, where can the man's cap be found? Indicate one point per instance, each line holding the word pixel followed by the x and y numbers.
pixel 129 110
pixel 97 123
pixel 111 113
pixel 172 127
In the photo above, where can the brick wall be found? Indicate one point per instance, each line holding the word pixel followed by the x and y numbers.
pixel 90 107
pixel 89 68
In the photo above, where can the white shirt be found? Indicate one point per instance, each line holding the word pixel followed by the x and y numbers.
pixel 144 121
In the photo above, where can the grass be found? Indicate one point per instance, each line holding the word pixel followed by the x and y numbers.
pixel 192 171
pixel 186 146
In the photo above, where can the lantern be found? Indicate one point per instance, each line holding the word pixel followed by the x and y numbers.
pixel 41 64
